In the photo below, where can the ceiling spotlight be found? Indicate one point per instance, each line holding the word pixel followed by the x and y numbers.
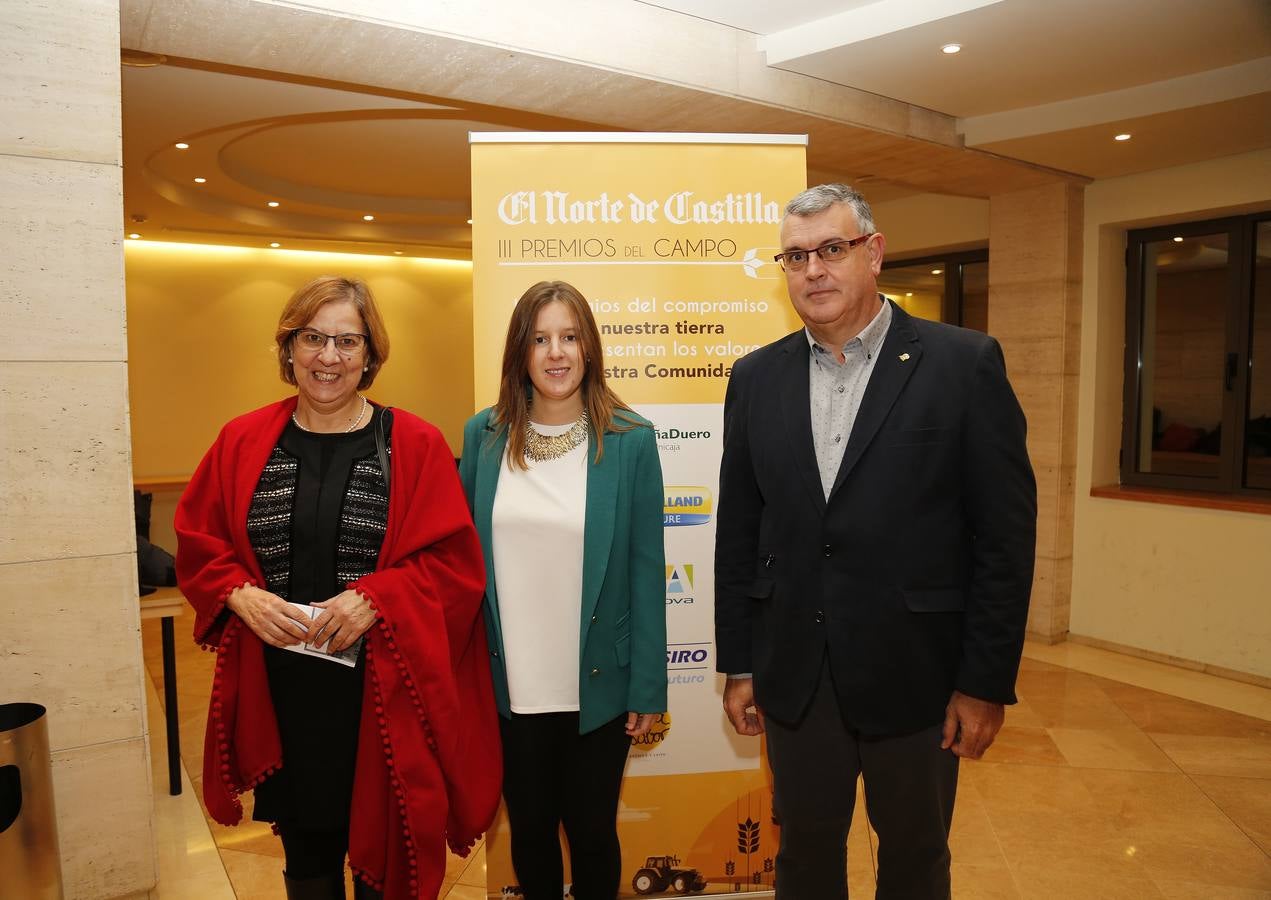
pixel 134 236
pixel 274 244
pixel 937 271
pixel 272 203
pixel 1123 136
pixel 200 180
pixel 1178 240
pixel 368 218
pixel 950 49
pixel 397 253
pixel 909 293
pixel 469 221
pixel 182 145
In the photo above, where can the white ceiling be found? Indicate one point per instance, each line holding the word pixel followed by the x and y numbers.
pixel 1047 82
pixel 1035 67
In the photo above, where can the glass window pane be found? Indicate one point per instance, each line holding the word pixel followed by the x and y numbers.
pixel 918 289
pixel 975 296
pixel 1183 354
pixel 1258 426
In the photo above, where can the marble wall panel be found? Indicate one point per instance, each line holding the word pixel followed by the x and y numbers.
pixel 1046 513
pixel 65 462
pixel 72 644
pixel 1034 226
pixel 104 819
pixel 68 611
pixel 1034 310
pixel 1037 395
pixel 1025 307
pixel 62 266
pixel 1042 600
pixel 59 61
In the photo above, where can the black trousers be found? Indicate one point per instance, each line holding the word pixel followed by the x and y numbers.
pixel 910 784
pixel 554 776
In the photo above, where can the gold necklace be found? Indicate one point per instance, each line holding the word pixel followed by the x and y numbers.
pixel 544 447
pixel 353 424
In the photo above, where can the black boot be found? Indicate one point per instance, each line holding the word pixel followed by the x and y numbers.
pixel 323 887
pixel 363 891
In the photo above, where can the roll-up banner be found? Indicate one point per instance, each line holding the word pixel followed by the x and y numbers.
pixel 670 237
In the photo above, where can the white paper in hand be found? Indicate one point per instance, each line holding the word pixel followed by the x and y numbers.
pixel 346 657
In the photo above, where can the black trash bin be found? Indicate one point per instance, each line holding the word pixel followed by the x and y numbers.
pixel 30 863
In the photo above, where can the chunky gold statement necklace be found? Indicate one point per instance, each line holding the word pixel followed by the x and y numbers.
pixel 544 447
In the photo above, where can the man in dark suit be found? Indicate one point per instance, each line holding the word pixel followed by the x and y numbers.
pixel 873 559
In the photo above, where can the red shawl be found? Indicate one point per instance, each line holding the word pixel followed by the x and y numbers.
pixel 428 762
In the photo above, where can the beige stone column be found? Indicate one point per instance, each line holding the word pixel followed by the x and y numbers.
pixel 1035 239
pixel 69 630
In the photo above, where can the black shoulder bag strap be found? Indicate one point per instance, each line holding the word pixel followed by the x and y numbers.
pixel 381 442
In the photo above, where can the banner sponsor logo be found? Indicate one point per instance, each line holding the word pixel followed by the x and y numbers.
pixel 677 208
pixel 682 434
pixel 679 585
pixel 686 505
pixel 688 663
pixel 688 655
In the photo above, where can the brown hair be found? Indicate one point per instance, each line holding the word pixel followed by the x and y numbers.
pixel 512 411
pixel 304 305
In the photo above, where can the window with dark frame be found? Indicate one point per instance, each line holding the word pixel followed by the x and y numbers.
pixel 949 287
pixel 1197 410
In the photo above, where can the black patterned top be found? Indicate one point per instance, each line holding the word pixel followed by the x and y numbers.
pixel 319 512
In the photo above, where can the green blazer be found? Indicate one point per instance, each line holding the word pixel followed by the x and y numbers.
pixel 622 644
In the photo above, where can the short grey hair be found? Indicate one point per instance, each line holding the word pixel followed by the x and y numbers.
pixel 823 196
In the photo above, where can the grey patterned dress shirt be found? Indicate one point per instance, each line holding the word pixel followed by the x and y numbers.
pixel 835 390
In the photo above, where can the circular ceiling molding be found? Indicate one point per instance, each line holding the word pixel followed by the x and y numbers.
pixel 373 155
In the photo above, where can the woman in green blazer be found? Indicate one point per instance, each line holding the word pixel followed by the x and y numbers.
pixel 566 492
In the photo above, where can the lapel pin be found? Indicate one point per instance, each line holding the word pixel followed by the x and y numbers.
pixel 904 357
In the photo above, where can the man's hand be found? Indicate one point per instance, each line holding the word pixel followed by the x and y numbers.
pixel 970 725
pixel 739 697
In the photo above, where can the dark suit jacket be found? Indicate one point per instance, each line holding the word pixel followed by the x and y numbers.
pixel 915 576
pixel 622 653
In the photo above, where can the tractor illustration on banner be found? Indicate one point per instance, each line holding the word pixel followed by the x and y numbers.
pixel 662 872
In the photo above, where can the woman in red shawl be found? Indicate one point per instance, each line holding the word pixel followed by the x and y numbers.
pixel 327 521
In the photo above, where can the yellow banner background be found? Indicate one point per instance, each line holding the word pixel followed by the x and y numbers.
pixel 670 238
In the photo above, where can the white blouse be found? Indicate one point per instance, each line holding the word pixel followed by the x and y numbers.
pixel 537 540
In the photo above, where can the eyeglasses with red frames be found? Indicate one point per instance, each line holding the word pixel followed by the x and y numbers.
pixel 833 252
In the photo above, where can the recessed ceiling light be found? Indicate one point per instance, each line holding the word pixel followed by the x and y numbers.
pixel 909 293
pixel 200 180
pixel 1123 136
pixel 951 49
pixel 937 271
pixel 134 236
pixel 273 203
pixel 274 244
pixel 1178 240
pixel 397 253
pixel 469 221
pixel 368 218
pixel 182 145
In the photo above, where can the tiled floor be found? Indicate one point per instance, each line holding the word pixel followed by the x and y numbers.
pixel 1114 777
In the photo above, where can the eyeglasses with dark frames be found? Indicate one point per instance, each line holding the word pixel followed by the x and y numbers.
pixel 833 252
pixel 349 343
